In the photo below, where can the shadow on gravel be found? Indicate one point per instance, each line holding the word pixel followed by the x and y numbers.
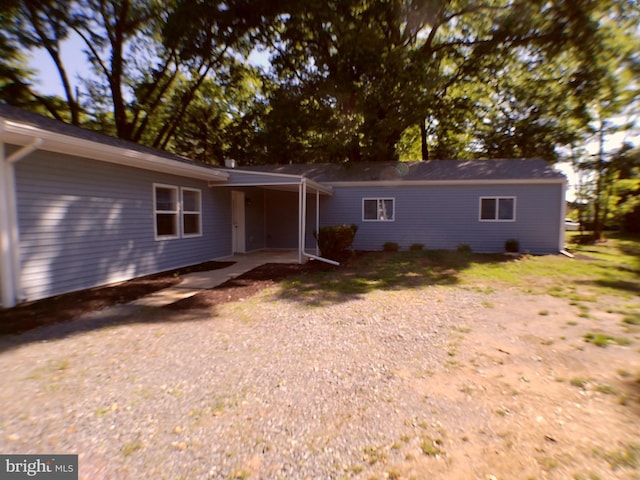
pixel 365 272
pixel 314 283
pixel 106 307
pixel 64 308
pixel 109 318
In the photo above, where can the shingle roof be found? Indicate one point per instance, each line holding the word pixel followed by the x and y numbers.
pixel 35 120
pixel 432 170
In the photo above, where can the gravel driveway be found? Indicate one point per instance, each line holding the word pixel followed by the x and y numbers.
pixel 398 384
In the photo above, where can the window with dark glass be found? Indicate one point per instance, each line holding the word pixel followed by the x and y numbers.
pixel 378 209
pixel 498 209
pixel 166 211
pixel 191 212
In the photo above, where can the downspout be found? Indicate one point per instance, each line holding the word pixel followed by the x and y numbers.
pixel 10 237
pixel 24 151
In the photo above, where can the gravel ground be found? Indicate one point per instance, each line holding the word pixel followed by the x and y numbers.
pixel 273 388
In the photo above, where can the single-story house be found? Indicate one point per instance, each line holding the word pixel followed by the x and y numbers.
pixel 79 209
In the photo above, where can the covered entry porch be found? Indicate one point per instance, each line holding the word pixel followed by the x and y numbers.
pixel 274 212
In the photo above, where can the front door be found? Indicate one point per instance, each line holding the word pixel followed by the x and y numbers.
pixel 237 222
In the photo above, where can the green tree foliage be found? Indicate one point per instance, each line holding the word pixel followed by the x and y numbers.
pixel 25 25
pixel 349 79
pixel 627 209
pixel 477 78
pixel 148 67
pixel 612 96
pixel 617 198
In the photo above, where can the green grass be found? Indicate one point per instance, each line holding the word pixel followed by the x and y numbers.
pixel 603 340
pixel 606 389
pixel 130 448
pixel 431 447
pixel 633 319
pixel 579 382
pixel 374 454
pixel 626 456
pixel 611 268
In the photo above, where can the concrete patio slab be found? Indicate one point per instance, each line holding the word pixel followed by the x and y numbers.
pixel 193 283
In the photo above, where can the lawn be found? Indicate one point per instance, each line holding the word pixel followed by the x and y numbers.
pixel 596 271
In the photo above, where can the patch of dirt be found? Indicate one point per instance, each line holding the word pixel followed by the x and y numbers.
pixel 246 285
pixel 62 308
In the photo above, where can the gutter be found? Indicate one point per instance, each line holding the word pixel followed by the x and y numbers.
pixel 17 133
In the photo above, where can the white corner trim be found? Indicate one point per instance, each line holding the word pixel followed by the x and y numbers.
pixel 9 246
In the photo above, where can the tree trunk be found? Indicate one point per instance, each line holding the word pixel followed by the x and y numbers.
pixel 423 141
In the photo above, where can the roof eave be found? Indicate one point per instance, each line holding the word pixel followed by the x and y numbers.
pixel 21 134
pixel 406 183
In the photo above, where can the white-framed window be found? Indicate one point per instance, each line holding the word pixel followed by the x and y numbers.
pixel 166 210
pixel 497 209
pixel 378 209
pixel 177 211
pixel 191 212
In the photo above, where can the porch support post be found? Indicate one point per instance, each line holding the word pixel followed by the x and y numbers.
pixel 317 221
pixel 303 217
pixel 300 246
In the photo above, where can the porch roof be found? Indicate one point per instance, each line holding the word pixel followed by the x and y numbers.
pixel 277 181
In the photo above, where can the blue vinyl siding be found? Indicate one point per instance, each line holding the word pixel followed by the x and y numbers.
pixel 444 216
pixel 85 223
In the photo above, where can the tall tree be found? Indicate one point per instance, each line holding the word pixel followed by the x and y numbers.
pixel 29 24
pixel 615 89
pixel 141 57
pixel 381 67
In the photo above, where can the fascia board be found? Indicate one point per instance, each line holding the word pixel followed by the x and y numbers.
pixel 256 184
pixel 265 174
pixel 21 134
pixel 417 183
pixel 314 185
pixel 295 180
